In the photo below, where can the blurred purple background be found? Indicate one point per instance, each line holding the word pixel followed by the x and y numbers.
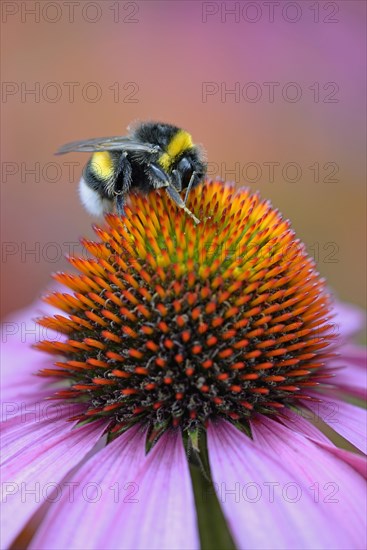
pixel 274 91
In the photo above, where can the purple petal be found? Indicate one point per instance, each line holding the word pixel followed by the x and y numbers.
pixel 34 424
pixel 349 319
pixel 19 361
pixel 298 422
pixel 267 503
pixel 347 420
pixel 22 393
pixel 38 453
pixel 358 462
pixel 338 491
pixel 141 502
pixel 352 378
pixel 19 385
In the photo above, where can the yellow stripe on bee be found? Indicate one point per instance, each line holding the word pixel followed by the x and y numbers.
pixel 102 165
pixel 180 142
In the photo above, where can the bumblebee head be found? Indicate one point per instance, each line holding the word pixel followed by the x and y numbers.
pixel 190 162
pixel 179 154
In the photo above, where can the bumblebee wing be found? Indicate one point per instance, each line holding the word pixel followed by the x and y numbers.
pixel 117 143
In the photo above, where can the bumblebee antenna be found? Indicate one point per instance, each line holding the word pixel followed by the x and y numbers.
pixel 175 196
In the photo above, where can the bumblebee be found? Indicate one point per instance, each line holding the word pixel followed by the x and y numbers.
pixel 153 155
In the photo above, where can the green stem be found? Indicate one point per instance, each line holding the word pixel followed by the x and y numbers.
pixel 213 528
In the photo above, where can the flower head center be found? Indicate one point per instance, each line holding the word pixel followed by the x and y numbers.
pixel 173 324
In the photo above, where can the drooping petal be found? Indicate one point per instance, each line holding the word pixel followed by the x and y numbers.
pixel 337 490
pixel 267 504
pixel 352 378
pixel 134 501
pixel 346 419
pixel 358 462
pixel 300 423
pixel 38 453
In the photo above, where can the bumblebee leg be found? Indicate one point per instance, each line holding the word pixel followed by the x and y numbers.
pixel 159 177
pixel 122 184
pixel 174 195
pixel 120 202
pixel 189 187
pixel 177 180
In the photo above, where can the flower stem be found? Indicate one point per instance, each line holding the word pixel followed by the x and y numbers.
pixel 213 528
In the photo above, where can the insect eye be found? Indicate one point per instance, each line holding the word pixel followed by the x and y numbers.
pixel 185 169
pixel 184 165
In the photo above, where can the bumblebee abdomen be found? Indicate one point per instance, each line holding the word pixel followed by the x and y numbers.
pixel 102 165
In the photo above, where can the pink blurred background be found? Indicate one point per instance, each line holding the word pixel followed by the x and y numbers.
pixel 96 66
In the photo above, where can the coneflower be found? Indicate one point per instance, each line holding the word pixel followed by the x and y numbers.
pixel 186 344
